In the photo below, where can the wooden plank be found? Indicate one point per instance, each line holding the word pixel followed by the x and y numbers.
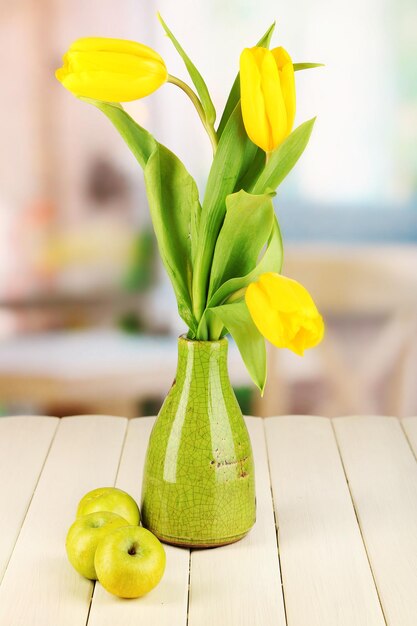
pixel 167 604
pixel 240 584
pixel 326 575
pixel 40 586
pixel 24 444
pixel 382 474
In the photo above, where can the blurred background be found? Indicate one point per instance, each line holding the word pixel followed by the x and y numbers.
pixel 88 320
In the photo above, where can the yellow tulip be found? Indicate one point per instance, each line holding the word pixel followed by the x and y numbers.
pixel 267 87
pixel 113 70
pixel 284 312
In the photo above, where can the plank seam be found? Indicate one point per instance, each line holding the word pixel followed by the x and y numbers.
pixel 358 522
pixel 31 497
pixel 413 452
pixel 114 483
pixel 91 602
pixel 187 615
pixel 122 449
pixel 276 522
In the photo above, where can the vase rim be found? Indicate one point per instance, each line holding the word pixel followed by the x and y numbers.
pixel 185 339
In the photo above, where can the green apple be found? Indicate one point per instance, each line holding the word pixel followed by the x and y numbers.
pixel 110 499
pixel 84 536
pixel 129 561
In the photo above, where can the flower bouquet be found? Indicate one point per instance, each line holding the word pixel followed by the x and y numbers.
pixel 223 255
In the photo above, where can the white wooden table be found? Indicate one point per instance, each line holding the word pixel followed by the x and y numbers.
pixel 342 494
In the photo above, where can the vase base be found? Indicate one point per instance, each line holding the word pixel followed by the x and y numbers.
pixel 192 543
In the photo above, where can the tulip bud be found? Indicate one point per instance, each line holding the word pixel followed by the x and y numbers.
pixel 112 70
pixel 284 312
pixel 267 88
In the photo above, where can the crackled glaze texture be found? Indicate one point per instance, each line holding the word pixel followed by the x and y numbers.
pixel 198 485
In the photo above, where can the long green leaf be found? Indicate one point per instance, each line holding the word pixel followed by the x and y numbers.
pixel 246 228
pixel 233 99
pixel 284 158
pixel 249 179
pixel 173 198
pixel 195 75
pixel 271 261
pixel 173 201
pixel 306 66
pixel 251 175
pixel 234 95
pixel 140 142
pixel 236 318
pixel 233 154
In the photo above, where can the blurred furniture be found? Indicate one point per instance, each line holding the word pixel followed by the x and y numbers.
pixel 53 310
pixel 103 370
pixel 368 358
pixel 342 492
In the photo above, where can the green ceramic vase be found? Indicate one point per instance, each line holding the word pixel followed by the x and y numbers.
pixel 199 485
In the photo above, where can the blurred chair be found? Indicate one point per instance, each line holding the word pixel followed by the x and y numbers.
pixel 367 362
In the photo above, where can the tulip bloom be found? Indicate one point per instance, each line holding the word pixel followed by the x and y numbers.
pixel 113 70
pixel 267 88
pixel 284 312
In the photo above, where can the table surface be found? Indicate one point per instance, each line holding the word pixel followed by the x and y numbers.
pixel 335 542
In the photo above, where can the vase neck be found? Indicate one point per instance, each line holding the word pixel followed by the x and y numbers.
pixel 202 362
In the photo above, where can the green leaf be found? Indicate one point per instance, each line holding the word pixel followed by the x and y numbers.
pixel 173 202
pixel 235 151
pixel 234 95
pixel 140 142
pixel 236 318
pixel 233 99
pixel 251 175
pixel 271 261
pixel 173 199
pixel 306 66
pixel 195 76
pixel 246 228
pixel 283 159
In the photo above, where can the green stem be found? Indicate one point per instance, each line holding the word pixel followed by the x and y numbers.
pixel 199 107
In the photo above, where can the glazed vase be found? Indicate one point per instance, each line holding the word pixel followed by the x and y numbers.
pixel 199 484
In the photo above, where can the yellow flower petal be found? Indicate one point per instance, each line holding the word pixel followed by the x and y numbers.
pixel 108 44
pixel 253 104
pixel 274 101
pixel 284 312
pixel 114 70
pixel 287 80
pixel 267 95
